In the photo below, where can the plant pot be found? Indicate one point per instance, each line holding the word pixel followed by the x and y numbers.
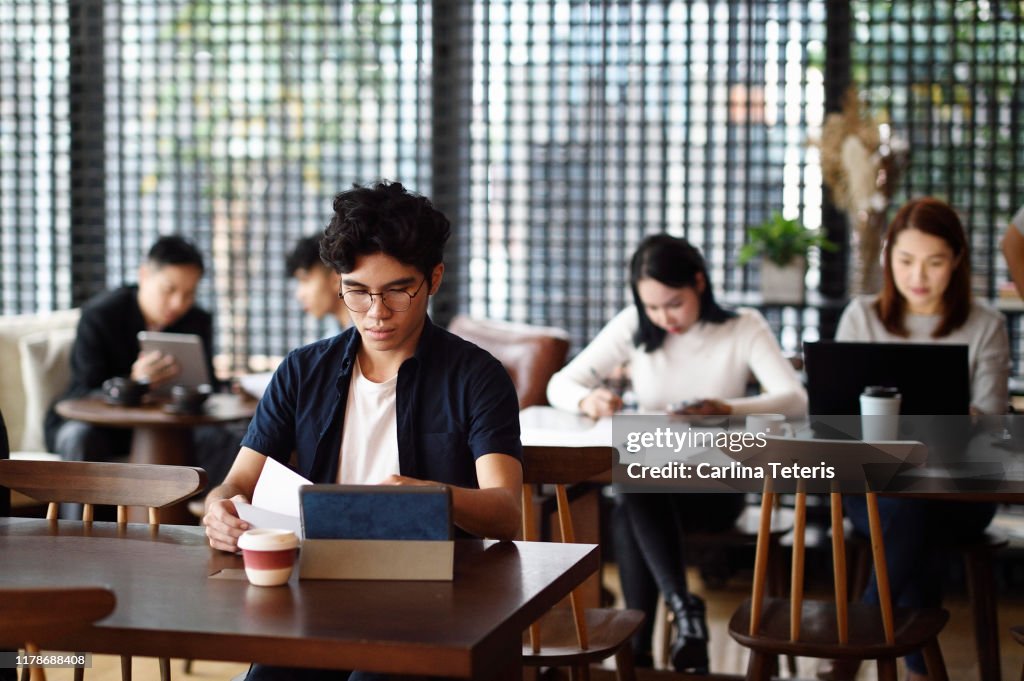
pixel 783 284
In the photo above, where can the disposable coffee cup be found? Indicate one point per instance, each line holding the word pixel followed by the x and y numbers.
pixel 769 424
pixel 880 413
pixel 269 555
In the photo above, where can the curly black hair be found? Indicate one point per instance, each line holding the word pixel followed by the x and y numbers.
pixel 384 218
pixel 304 256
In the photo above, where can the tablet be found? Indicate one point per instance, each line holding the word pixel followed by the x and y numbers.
pixel 187 350
pixel 376 512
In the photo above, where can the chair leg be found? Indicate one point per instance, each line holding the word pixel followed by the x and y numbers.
pixel 887 669
pixel 777 585
pixel 933 661
pixel 760 666
pixel 165 669
pixel 79 674
pixel 624 667
pixel 984 609
pixel 126 668
pixel 188 666
pixel 580 672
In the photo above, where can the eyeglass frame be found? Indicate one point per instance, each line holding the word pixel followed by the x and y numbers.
pixel 341 294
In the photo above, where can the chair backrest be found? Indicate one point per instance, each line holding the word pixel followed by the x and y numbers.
pixel 561 466
pixel 115 484
pixel 36 616
pixel 34 370
pixel 530 354
pixel 847 456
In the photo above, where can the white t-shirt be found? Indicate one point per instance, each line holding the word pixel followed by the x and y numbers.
pixel 369 442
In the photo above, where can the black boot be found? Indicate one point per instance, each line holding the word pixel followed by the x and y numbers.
pixel 689 650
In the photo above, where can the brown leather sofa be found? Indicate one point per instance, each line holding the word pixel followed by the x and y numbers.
pixel 530 354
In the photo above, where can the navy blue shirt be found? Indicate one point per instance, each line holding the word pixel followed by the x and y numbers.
pixel 454 403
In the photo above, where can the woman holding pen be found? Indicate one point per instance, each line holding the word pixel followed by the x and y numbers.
pixel 686 353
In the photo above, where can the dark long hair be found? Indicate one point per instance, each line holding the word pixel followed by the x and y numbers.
pixel 937 218
pixel 671 261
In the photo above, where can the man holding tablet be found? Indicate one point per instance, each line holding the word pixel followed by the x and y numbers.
pixel 106 343
pixel 393 399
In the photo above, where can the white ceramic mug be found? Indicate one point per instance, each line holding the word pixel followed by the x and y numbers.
pixel 879 413
pixel 769 424
pixel 268 555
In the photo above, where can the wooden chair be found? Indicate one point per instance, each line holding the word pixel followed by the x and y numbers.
pixel 576 636
pixel 530 354
pixel 837 629
pixel 979 556
pixel 30 618
pixel 743 533
pixel 113 484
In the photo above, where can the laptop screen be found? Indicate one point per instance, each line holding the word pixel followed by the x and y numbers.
pixel 932 378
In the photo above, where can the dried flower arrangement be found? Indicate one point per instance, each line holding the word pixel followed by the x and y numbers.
pixel 861 164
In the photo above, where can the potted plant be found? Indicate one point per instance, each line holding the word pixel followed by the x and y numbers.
pixel 783 245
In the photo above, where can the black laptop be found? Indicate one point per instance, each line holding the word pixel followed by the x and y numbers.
pixel 933 378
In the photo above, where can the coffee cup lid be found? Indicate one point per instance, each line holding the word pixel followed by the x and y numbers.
pixel 881 391
pixel 267 539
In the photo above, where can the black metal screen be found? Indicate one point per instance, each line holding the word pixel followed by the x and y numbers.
pixel 556 134
pixel 233 123
pixel 949 76
pixel 596 123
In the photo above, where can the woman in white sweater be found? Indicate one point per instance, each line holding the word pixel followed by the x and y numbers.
pixel 681 347
pixel 926 298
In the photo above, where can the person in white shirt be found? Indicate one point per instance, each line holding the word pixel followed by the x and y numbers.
pixel 391 400
pixel 681 347
pixel 926 298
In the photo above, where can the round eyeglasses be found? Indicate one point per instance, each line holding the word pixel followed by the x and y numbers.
pixel 395 299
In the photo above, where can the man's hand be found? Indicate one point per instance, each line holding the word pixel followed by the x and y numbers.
pixel 406 480
pixel 155 368
pixel 600 402
pixel 223 526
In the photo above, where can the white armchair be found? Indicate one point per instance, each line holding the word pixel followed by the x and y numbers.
pixel 35 351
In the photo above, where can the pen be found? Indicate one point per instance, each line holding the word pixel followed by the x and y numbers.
pixel 604 383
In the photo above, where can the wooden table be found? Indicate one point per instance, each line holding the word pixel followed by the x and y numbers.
pixel 158 436
pixel 167 605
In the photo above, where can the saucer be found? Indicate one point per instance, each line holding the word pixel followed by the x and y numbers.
pixel 171 408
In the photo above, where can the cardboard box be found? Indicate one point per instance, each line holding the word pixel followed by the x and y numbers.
pixel 377 559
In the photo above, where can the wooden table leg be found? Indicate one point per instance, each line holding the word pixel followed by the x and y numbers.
pixel 500 661
pixel 165 446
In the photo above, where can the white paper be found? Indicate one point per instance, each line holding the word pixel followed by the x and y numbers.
pixel 261 517
pixel 277 489
pixel 275 501
pixel 577 432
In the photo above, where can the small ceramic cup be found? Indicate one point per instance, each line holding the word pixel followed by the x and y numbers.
pixel 769 424
pixel 268 555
